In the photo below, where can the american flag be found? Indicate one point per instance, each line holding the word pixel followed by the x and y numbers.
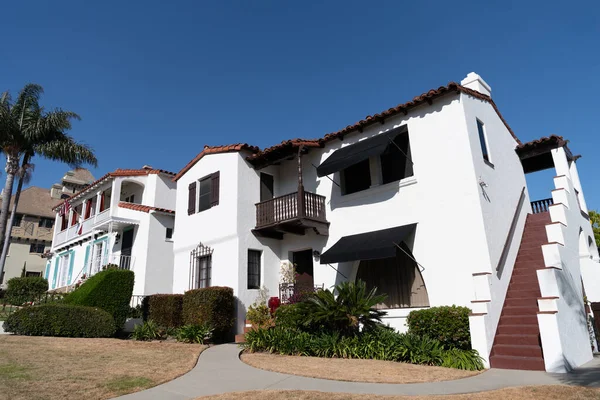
pixel 64 209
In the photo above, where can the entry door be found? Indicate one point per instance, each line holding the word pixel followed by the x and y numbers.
pixel 266 187
pixel 126 245
pixel 304 269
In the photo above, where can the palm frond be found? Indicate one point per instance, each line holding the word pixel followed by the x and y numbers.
pixel 67 150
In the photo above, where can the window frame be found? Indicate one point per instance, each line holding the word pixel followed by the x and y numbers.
pixel 167 235
pixel 255 283
pixel 208 268
pixel 41 223
pixel 208 183
pixel 18 221
pixel 409 171
pixel 484 142
pixel 36 246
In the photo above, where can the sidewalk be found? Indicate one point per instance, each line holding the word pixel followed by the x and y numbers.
pixel 219 370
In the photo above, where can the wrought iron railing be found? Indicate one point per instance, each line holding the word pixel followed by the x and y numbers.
pixel 290 206
pixel 540 206
pixel 288 290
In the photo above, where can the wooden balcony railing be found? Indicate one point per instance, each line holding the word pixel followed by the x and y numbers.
pixel 540 206
pixel 298 205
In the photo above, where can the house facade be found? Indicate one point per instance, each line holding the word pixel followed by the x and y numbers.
pixel 33 228
pixel 125 218
pixel 426 201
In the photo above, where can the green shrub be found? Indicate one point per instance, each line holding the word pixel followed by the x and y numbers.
pixel 259 315
pixel 195 334
pixel 149 330
pixel 290 316
pixel 448 324
pixel 378 344
pixel 109 290
pixel 345 309
pixel 25 290
pixel 213 306
pixel 61 320
pixel 164 309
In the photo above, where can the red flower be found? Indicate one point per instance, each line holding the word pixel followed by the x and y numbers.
pixel 273 304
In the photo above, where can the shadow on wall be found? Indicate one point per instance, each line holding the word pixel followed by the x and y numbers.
pixel 240 313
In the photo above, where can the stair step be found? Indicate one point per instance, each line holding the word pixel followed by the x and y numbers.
pixel 516 302
pixel 523 285
pixel 517 339
pixel 519 310
pixel 518 329
pixel 518 319
pixel 512 362
pixel 517 350
pixel 240 338
pixel 523 294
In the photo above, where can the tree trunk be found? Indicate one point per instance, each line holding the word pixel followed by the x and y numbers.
pixel 12 167
pixel 13 213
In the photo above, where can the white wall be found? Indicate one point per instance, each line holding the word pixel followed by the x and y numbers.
pixel 159 261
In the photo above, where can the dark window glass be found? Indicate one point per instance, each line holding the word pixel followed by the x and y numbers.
pixel 254 269
pixel 36 248
pixel 169 233
pixel 484 149
pixel 46 223
pixel 396 161
pixel 356 177
pixel 204 266
pixel 18 219
pixel 32 273
pixel 205 198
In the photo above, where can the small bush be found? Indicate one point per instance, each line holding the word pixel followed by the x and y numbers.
pixel 259 315
pixel 164 309
pixel 290 316
pixel 195 334
pixel 149 330
pixel 448 324
pixel 213 306
pixel 61 320
pixel 109 290
pixel 25 290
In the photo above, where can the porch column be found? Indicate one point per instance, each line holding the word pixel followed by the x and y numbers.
pixel 69 219
pixel 115 196
pixel 98 200
pixel 300 185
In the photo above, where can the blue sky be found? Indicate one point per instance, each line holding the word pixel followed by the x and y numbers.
pixel 154 81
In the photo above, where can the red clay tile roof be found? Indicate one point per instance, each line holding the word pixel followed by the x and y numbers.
pixel 216 150
pixel 286 148
pixel 116 173
pixel 559 141
pixel 143 208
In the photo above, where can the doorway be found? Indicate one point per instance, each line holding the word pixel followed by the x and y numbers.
pixel 126 246
pixel 266 187
pixel 304 269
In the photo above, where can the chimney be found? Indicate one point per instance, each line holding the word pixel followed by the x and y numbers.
pixel 147 167
pixel 56 191
pixel 475 82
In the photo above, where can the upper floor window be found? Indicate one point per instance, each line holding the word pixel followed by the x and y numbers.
pixel 46 223
pixel 36 248
pixel 206 196
pixel 483 141
pixel 395 161
pixel 169 234
pixel 18 219
pixel 130 199
pixel 356 177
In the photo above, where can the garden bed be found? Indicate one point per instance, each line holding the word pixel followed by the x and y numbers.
pixel 59 368
pixel 524 393
pixel 353 370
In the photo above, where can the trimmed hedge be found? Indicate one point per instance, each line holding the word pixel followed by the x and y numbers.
pixel 24 290
pixel 164 309
pixel 61 320
pixel 109 290
pixel 213 306
pixel 448 324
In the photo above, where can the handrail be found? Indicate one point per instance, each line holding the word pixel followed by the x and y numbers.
pixel 511 232
pixel 540 206
pixel 290 206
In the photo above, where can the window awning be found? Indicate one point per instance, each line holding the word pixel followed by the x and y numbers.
pixel 355 153
pixel 368 245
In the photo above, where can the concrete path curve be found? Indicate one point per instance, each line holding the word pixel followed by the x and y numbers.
pixel 219 370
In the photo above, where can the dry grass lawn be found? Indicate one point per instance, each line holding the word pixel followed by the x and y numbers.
pixel 522 393
pixel 353 370
pixel 60 368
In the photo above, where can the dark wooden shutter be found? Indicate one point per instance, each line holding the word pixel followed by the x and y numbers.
pixel 192 198
pixel 214 189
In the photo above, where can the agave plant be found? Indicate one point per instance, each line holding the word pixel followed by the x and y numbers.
pixel 346 309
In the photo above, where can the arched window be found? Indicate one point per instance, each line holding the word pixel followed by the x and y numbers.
pixel 398 277
pixel 200 267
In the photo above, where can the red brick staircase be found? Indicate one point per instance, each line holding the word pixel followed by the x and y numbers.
pixel 517 342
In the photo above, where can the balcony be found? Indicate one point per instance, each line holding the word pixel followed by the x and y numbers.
pixel 292 213
pixel 540 206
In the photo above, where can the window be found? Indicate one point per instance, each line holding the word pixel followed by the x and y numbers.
pixel 200 267
pixel 169 234
pixel 130 199
pixel 89 208
pixel 204 265
pixel 32 274
pixel 63 222
pixel 483 141
pixel 18 220
pixel 46 223
pixel 100 253
pixel 63 269
pixel 37 248
pixel 208 193
pixel 356 177
pixel 395 161
pixel 254 269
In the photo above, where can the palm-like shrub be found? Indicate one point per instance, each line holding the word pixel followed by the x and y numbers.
pixel 345 309
pixel 195 334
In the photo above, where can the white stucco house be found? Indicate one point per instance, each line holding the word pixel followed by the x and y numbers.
pixel 124 218
pixel 427 200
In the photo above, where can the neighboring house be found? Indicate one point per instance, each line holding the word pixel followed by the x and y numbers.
pixel 426 201
pixel 32 231
pixel 125 218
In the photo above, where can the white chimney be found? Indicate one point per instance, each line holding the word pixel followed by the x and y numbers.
pixel 475 82
pixel 56 191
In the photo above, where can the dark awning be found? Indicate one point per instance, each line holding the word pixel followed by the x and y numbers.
pixel 368 245
pixel 355 153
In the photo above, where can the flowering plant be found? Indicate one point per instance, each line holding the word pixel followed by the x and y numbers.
pixel 287 272
pixel 273 304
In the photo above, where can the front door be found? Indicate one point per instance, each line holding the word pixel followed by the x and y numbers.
pixel 303 261
pixel 126 246
pixel 266 187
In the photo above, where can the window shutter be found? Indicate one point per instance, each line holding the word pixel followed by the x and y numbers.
pixel 192 198
pixel 214 189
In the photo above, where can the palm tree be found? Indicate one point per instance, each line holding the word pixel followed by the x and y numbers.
pixel 27 130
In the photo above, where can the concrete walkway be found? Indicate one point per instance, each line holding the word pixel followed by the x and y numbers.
pixel 219 370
